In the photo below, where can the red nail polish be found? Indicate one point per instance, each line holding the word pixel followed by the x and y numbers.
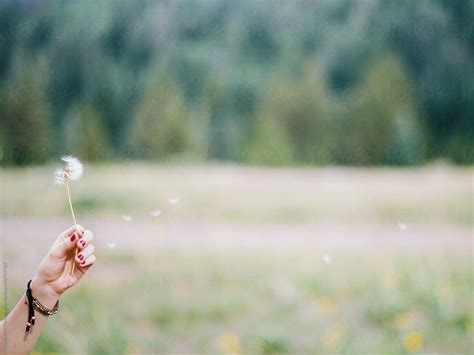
pixel 80 257
pixel 73 237
pixel 83 243
pixel 83 262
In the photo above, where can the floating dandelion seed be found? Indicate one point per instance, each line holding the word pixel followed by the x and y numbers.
pixel 111 245
pixel 327 259
pixel 155 213
pixel 127 218
pixel 72 171
pixel 402 226
pixel 173 200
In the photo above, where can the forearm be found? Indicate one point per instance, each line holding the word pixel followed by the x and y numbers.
pixel 14 339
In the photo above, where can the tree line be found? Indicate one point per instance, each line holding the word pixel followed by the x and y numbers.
pixel 258 82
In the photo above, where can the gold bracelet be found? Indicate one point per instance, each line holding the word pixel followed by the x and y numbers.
pixel 44 310
pixel 34 303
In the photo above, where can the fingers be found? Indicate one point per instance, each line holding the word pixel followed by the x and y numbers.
pixel 84 266
pixel 68 233
pixel 85 258
pixel 85 240
pixel 88 261
pixel 67 240
pixel 88 251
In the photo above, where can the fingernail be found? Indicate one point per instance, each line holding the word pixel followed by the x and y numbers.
pixel 83 262
pixel 73 236
pixel 83 243
pixel 80 256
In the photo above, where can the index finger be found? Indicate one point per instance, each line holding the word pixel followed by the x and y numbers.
pixel 69 232
pixel 66 240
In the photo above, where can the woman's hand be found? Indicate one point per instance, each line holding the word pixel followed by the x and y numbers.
pixel 53 276
pixel 50 281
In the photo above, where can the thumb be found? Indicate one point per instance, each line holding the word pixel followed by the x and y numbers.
pixel 67 241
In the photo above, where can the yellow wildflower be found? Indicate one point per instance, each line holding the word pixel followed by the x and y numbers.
pixel 132 350
pixel 333 338
pixel 325 305
pixel 404 320
pixel 470 327
pixel 413 341
pixel 229 343
pixel 444 294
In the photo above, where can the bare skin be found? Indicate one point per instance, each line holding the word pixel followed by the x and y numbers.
pixel 51 280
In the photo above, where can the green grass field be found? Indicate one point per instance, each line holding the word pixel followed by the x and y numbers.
pixel 435 194
pixel 399 278
pixel 176 302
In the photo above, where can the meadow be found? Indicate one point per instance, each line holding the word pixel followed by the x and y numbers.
pixel 244 260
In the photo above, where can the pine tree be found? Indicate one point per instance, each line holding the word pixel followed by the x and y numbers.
pixel 25 120
pixel 161 127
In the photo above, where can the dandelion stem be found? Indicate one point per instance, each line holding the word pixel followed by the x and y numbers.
pixel 74 219
pixel 70 203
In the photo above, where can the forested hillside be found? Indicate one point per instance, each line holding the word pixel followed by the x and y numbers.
pixel 262 82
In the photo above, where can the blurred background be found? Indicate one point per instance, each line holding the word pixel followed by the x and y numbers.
pixel 262 177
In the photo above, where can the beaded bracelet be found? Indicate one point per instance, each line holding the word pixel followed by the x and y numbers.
pixel 34 303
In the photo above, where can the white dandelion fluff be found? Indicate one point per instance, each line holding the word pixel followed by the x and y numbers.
pixel 72 171
pixel 327 259
pixel 74 167
pixel 402 226
pixel 155 213
pixel 59 177
pixel 127 218
pixel 173 200
pixel 111 245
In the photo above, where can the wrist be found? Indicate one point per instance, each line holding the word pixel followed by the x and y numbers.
pixel 44 293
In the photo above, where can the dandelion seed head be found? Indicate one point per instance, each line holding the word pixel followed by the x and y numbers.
pixel 173 200
pixel 72 171
pixel 155 213
pixel 74 167
pixel 127 218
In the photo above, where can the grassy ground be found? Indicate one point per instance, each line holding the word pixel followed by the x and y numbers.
pixel 178 302
pixel 436 194
pixel 299 272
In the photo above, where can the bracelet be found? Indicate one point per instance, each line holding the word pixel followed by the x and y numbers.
pixel 34 303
